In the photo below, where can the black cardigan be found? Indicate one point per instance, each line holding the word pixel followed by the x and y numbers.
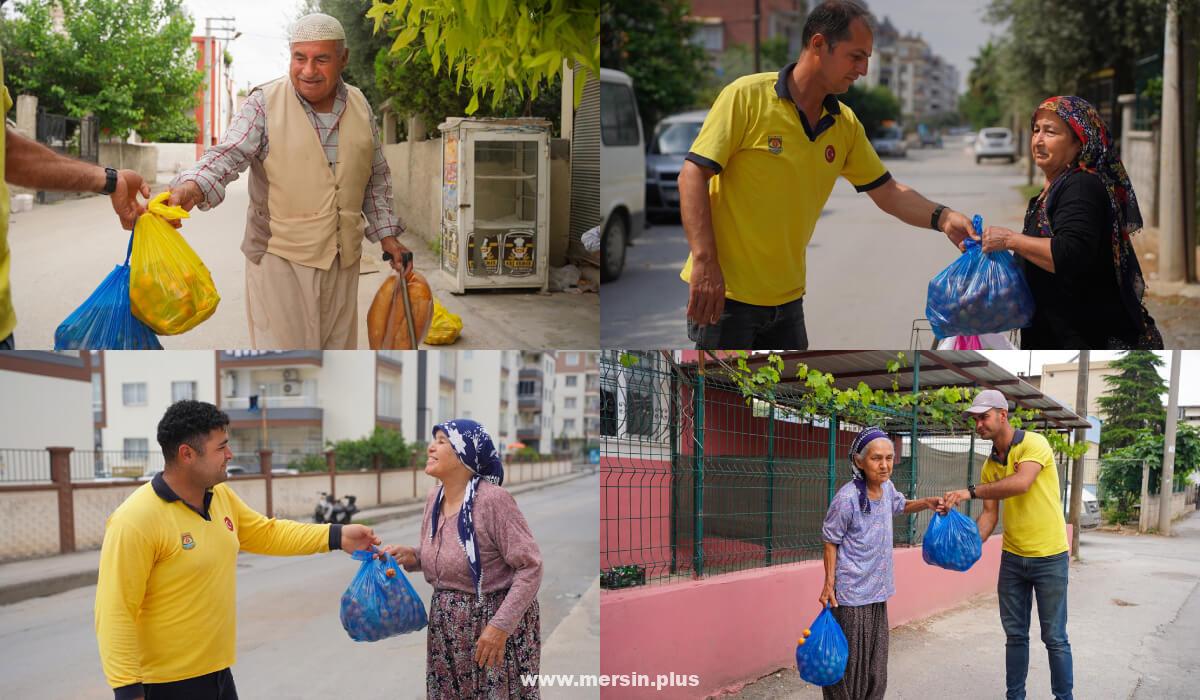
pixel 1079 304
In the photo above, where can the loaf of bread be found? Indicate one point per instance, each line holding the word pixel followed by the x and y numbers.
pixel 420 297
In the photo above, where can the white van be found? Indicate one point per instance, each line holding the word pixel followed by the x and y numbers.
pixel 622 171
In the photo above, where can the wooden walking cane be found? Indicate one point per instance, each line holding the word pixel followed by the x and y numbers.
pixel 401 290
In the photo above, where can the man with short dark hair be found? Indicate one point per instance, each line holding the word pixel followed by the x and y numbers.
pixel 759 174
pixel 166 595
pixel 1034 562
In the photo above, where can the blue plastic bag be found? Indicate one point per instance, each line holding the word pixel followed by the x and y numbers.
pixel 104 320
pixel 380 602
pixel 951 542
pixel 822 652
pixel 979 293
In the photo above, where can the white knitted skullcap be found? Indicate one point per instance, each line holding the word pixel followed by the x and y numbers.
pixel 317 27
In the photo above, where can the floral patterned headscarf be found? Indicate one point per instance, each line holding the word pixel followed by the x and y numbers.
pixel 1098 157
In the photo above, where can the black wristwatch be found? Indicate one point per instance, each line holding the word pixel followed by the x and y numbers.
pixel 110 181
pixel 971 490
pixel 937 214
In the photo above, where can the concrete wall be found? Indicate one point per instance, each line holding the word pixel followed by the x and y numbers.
pixel 52 411
pixel 734 628
pixel 1140 156
pixel 253 492
pixel 174 157
pixel 295 496
pixel 131 156
pixel 363 486
pixel 1179 506
pixel 28 524
pixel 347 393
pixel 92 508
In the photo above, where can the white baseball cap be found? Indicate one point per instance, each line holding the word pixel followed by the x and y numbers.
pixel 986 400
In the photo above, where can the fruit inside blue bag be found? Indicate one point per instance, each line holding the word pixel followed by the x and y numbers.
pixel 380 602
pixel 822 651
pixel 951 542
pixel 979 293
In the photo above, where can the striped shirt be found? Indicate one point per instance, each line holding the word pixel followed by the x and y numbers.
pixel 247 138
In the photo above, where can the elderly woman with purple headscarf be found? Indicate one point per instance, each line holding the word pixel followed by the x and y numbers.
pixel 478 553
pixel 858 562
pixel 1075 246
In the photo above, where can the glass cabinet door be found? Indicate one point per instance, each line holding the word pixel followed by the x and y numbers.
pixel 504 238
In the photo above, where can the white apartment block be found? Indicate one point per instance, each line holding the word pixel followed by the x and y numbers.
pixel 1061 381
pixel 49 404
pixel 576 397
pixel 535 400
pixel 924 83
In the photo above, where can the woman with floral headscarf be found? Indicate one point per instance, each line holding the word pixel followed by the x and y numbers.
pixel 858 563
pixel 1078 259
pixel 477 552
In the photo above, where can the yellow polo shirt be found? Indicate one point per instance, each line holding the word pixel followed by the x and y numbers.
pixel 1033 522
pixel 166 597
pixel 774 175
pixel 8 317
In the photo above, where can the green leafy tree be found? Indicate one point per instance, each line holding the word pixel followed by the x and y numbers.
pixel 981 105
pixel 651 41
pixel 391 448
pixel 872 106
pixel 1121 469
pixel 130 63
pixel 495 46
pixel 1132 406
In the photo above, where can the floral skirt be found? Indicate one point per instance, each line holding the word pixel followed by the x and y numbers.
pixel 456 619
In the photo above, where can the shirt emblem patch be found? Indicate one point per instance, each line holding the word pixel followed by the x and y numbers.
pixel 188 542
pixel 228 524
pixel 775 144
pixel 829 154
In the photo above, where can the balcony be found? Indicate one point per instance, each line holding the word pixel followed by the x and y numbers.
pixel 268 358
pixel 529 432
pixel 282 409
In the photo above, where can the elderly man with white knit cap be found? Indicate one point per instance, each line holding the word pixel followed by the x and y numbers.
pixel 319 184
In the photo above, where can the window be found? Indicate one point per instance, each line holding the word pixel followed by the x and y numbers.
pixel 97 393
pixel 572 359
pixel 572 380
pixel 525 388
pixel 466 414
pixel 568 425
pixel 639 409
pixel 136 448
pixel 608 411
pixel 466 386
pixel 569 402
pixel 710 37
pixel 181 391
pixel 618 116
pixel 445 407
pixel 133 394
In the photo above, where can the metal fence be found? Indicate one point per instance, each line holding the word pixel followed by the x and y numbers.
pixel 697 480
pixel 24 465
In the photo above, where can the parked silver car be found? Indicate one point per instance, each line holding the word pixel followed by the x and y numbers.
pixel 672 140
pixel 889 141
pixel 995 142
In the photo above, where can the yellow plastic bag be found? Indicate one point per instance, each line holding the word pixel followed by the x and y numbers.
pixel 444 328
pixel 170 289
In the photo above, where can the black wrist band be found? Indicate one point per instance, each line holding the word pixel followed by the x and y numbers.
pixel 110 181
pixel 971 490
pixel 937 214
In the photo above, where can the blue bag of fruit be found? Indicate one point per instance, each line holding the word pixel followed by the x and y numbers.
pixel 822 652
pixel 380 602
pixel 979 293
pixel 951 542
pixel 105 321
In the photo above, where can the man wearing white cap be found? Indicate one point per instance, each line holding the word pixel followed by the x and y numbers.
pixel 312 200
pixel 1034 560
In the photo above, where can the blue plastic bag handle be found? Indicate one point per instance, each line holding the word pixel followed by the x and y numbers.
pixel 129 249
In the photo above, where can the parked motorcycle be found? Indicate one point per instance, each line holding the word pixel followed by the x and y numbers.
pixel 330 510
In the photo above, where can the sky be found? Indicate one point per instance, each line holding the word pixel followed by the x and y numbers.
pixel 954 30
pixel 1020 361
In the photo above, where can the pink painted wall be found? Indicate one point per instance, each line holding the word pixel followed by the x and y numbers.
pixel 734 628
pixel 635 512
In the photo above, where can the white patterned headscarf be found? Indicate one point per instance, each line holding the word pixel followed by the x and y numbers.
pixel 475 449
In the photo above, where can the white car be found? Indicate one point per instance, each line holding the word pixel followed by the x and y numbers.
pixel 622 171
pixel 996 142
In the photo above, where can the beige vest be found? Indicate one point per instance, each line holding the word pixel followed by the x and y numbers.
pixel 301 210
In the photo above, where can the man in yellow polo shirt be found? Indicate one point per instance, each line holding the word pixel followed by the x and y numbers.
pixel 759 174
pixel 29 164
pixel 166 598
pixel 1034 561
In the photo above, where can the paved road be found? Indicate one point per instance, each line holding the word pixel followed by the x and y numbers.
pixel 1133 622
pixel 867 272
pixel 290 642
pixel 61 252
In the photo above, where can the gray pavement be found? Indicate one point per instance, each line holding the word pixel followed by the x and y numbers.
pixel 62 251
pixel 862 263
pixel 290 642
pixel 1133 623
